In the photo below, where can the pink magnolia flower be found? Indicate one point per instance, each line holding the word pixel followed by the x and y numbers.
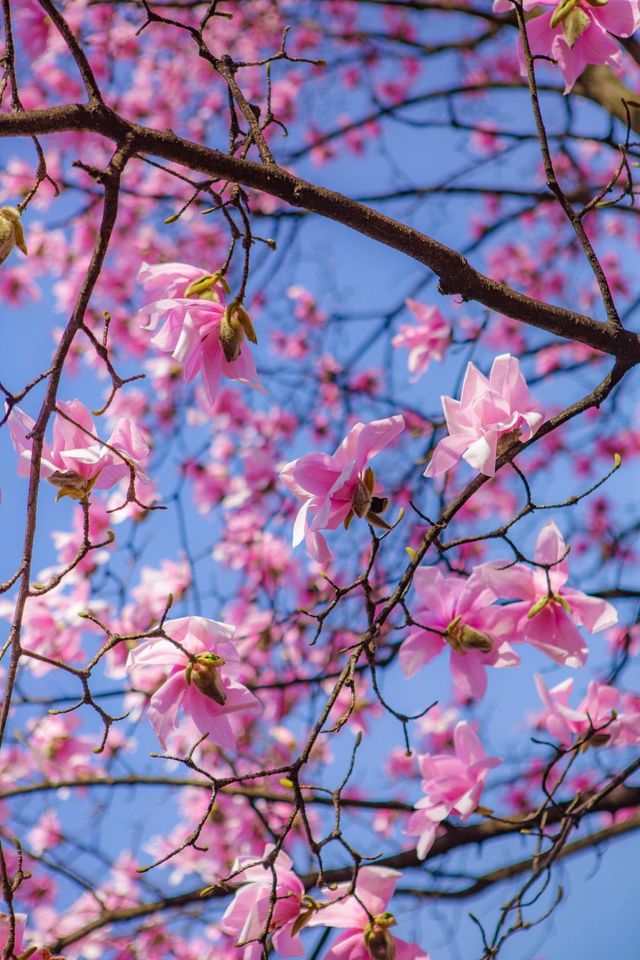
pixel 55 747
pixel 46 834
pixel 452 784
pixel 191 332
pixel 425 341
pixel 365 920
pixel 75 462
pixel 51 623
pixel 204 686
pixel 615 716
pixel 456 612
pixel 336 487
pixel 548 612
pixel 575 34
pixel 490 415
pixel 249 911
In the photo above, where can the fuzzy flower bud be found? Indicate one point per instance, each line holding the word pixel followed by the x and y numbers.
pixel 377 939
pixel 203 673
pixel 11 232
pixel 235 324
pixel 462 637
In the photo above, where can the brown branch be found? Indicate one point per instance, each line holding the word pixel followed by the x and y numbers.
pixel 455 838
pixel 253 794
pixel 552 180
pixel 110 209
pixel 522 866
pixel 456 274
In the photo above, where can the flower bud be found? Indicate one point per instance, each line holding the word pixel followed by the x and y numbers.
pixel 204 287
pixel 461 637
pixel 235 324
pixel 203 673
pixel 540 604
pixel 231 335
pixel 308 908
pixel 361 499
pixel 11 232
pixel 574 25
pixel 564 8
pixel 472 639
pixel 574 20
pixel 71 484
pixel 377 939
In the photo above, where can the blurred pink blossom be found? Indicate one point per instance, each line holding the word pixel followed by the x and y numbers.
pixel 426 341
pixel 614 716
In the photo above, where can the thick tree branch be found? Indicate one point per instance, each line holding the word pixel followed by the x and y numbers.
pixel 456 274
pixel 455 837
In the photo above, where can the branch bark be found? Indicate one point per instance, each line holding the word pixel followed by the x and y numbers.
pixel 457 276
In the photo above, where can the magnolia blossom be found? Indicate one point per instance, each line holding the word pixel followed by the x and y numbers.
pixel 456 612
pixel 196 324
pixel 615 717
pixel 204 685
pixel 336 487
pixel 577 32
pixel 452 784
pixel 76 462
pixel 426 341
pixel 548 612
pixel 46 834
pixel 365 938
pixel 251 908
pixel 490 415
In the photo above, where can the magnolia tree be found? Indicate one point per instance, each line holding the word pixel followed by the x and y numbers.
pixel 319 448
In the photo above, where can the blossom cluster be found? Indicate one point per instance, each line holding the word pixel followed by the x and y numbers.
pixel 272 897
pixel 233 702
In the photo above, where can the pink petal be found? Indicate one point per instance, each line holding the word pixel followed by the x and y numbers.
pixel 515 582
pixel 592 612
pixel 552 632
pixel 365 440
pixel 376 886
pixel 467 743
pixel 408 951
pixel 164 706
pixel 209 718
pixel 620 17
pixel 155 653
pixel 481 454
pixel 468 674
pixel 446 455
pixel 318 548
pixel 550 545
pixel 418 649
pixel 286 944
